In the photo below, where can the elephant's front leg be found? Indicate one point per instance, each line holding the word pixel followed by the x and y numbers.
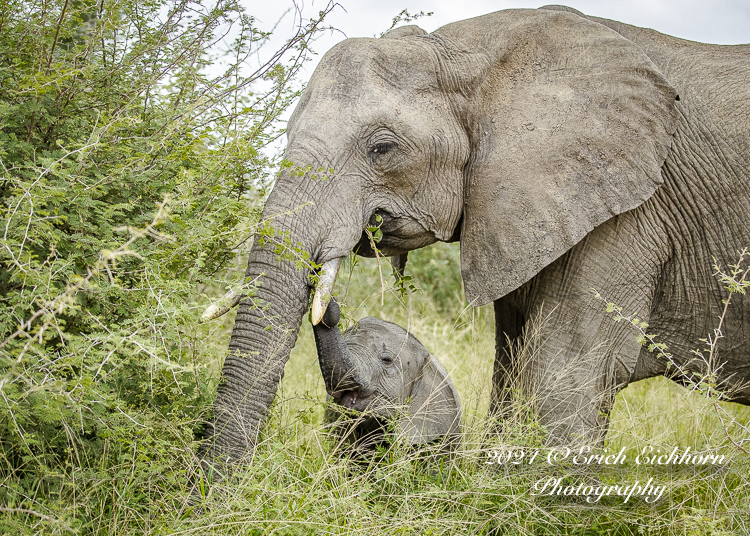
pixel 509 325
pixel 556 344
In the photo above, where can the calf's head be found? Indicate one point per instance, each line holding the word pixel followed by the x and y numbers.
pixel 377 371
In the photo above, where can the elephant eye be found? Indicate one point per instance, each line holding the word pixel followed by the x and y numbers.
pixel 386 358
pixel 382 148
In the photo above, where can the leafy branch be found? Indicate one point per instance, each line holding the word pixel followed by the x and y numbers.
pixel 406 17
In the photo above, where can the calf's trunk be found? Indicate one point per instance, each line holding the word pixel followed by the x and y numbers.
pixel 336 362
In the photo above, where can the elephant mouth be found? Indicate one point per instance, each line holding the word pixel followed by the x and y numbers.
pixel 352 399
pixel 399 235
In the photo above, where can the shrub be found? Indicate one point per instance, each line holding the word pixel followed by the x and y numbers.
pixel 130 176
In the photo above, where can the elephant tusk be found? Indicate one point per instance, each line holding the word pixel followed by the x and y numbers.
pixel 328 273
pixel 215 310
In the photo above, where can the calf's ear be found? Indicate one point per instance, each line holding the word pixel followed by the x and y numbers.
pixel 570 127
pixel 434 410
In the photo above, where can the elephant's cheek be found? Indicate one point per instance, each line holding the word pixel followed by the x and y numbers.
pixel 393 394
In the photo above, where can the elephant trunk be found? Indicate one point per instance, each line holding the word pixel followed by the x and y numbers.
pixel 300 226
pixel 264 334
pixel 336 362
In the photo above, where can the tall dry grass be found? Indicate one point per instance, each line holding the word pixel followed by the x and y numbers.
pixel 295 484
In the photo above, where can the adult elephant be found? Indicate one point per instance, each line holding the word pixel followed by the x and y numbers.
pixel 564 152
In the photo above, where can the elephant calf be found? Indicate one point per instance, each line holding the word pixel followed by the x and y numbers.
pixel 382 372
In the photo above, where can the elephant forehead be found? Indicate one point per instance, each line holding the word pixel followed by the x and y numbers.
pixel 355 65
pixel 362 83
pixel 380 335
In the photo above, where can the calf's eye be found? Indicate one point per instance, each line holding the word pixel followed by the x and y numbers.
pixel 387 359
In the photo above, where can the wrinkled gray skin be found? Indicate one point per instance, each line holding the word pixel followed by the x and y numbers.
pixel 381 370
pixel 555 148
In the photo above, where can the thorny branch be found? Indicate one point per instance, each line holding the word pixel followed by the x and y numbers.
pixel 734 281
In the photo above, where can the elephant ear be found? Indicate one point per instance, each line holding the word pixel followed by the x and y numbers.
pixel 434 408
pixel 572 125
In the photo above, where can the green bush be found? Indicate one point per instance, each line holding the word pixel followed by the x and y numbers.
pixel 130 177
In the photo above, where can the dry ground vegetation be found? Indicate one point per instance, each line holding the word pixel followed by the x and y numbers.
pixel 130 182
pixel 300 486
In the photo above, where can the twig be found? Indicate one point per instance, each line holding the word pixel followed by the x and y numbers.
pixel 380 269
pixel 37 514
